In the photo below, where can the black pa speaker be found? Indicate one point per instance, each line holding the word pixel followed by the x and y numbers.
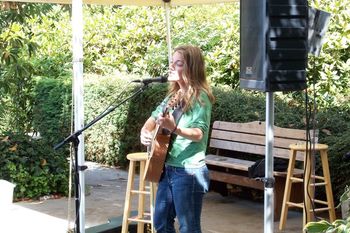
pixel 273 44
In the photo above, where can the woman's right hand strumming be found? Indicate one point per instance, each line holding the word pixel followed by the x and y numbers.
pixel 146 137
pixel 146 134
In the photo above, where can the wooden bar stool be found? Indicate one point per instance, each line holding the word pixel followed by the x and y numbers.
pixel 142 216
pixel 308 186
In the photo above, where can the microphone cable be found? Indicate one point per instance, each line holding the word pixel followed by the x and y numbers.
pixel 310 114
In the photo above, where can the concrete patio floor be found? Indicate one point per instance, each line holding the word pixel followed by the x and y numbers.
pixel 105 200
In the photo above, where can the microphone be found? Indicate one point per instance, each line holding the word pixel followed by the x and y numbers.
pixel 160 79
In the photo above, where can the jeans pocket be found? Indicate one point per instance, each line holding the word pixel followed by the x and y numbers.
pixel 206 180
pixel 202 180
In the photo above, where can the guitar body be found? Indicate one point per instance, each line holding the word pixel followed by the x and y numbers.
pixel 159 148
pixel 157 156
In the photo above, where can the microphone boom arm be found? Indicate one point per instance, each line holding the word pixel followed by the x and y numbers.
pixel 78 132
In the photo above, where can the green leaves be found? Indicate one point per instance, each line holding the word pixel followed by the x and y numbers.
pixel 318 227
pixel 133 40
pixel 16 50
pixel 338 226
pixel 329 70
pixel 22 163
pixel 52 107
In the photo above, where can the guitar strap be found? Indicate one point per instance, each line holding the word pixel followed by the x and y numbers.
pixel 177 113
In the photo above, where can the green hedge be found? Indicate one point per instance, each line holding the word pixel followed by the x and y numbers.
pixel 33 166
pixel 52 108
pixel 113 137
pixel 109 140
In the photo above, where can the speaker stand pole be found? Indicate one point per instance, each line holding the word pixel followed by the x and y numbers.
pixel 269 180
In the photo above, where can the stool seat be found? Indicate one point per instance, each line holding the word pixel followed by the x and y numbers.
pixel 307 206
pixel 143 217
pixel 139 156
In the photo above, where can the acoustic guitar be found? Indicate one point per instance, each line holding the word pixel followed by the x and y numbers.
pixel 159 146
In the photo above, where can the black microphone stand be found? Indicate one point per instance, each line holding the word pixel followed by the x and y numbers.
pixel 75 140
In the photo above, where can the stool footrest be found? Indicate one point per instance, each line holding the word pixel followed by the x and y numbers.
pixel 299 205
pixel 296 180
pixel 140 192
pixel 321 202
pixel 137 219
pixel 318 184
pixel 319 209
pixel 317 177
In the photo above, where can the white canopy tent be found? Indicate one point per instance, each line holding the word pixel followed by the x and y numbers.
pixel 77 47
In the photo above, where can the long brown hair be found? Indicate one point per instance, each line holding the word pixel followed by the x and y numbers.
pixel 194 74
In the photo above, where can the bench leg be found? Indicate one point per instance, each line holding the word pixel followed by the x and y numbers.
pixel 287 191
pixel 296 195
pixel 219 187
pixel 278 196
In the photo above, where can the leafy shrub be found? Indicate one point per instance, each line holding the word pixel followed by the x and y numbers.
pixel 31 163
pixel 244 106
pixel 16 71
pixel 52 108
pixel 109 140
pixel 335 132
pixel 17 50
pixel 33 166
pixel 53 34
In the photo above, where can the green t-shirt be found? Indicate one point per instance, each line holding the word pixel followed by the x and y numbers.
pixel 184 152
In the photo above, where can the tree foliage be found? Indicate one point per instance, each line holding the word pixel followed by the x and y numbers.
pixel 330 72
pixel 133 40
pixel 16 70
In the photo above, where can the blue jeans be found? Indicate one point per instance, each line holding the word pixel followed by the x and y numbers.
pixel 180 194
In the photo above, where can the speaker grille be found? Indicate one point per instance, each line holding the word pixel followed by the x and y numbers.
pixel 287 45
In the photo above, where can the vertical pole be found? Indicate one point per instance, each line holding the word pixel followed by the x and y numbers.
pixel 168 25
pixel 77 29
pixel 269 179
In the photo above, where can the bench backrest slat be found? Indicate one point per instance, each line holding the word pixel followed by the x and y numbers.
pixel 258 139
pixel 250 138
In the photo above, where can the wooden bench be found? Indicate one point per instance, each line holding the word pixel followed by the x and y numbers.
pixel 236 143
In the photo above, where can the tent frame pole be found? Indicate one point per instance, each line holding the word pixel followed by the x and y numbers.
pixel 269 179
pixel 78 87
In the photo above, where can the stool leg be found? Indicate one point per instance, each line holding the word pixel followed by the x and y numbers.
pixel 327 178
pixel 141 204
pixel 287 189
pixel 307 189
pixel 153 189
pixel 127 204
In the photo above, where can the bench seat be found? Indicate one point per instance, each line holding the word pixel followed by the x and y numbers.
pixel 240 164
pixel 235 144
